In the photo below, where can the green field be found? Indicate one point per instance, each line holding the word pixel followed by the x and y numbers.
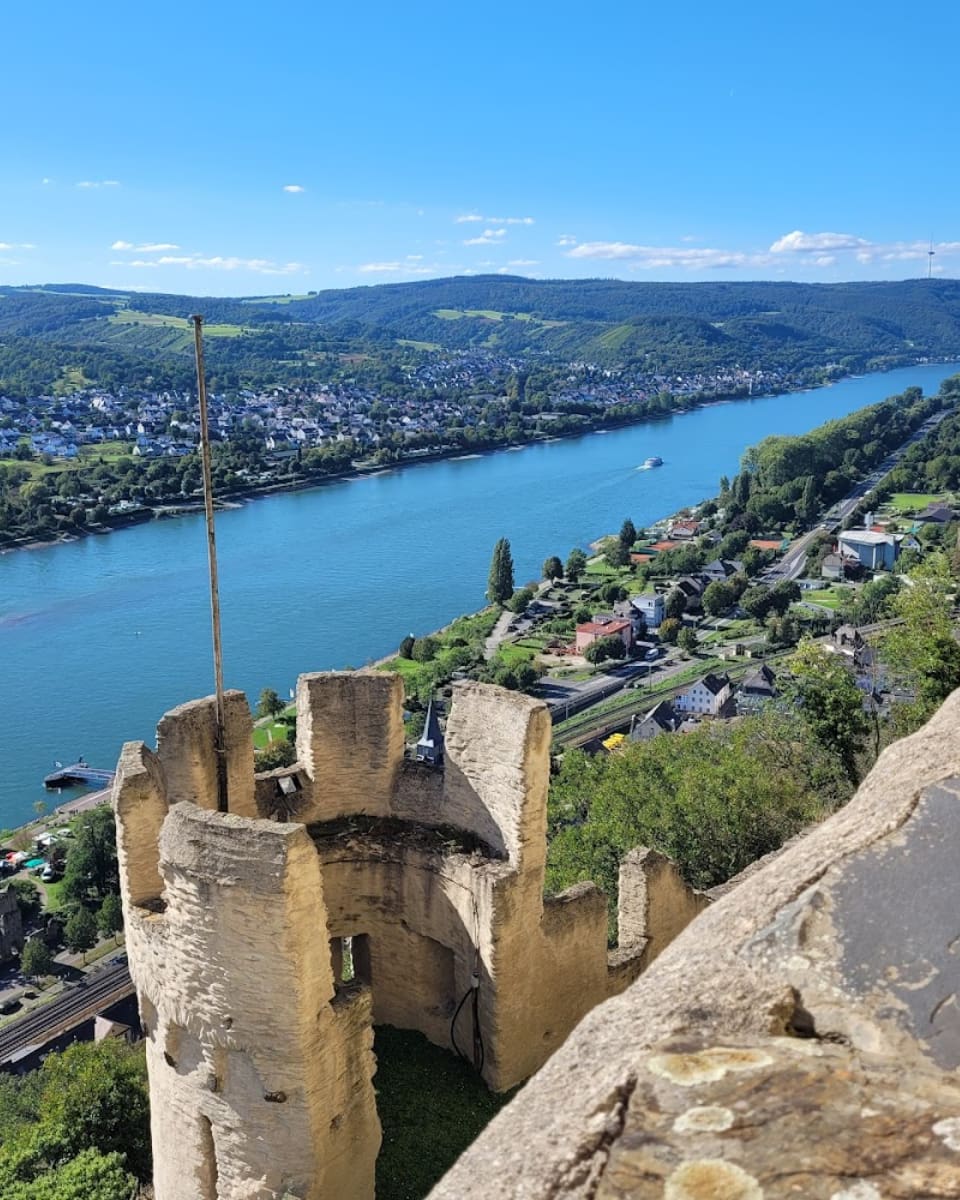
pixel 492 314
pixel 88 456
pixel 827 597
pixel 911 502
pixel 414 345
pixel 131 316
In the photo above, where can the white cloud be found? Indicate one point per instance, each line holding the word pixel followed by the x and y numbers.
pixel 98 183
pixel 216 262
pixel 17 246
pixel 800 242
pixel 45 179
pixel 294 188
pixel 490 237
pixel 566 239
pixel 494 220
pixel 523 262
pixel 406 266
pixel 658 257
pixel 145 247
pixel 864 251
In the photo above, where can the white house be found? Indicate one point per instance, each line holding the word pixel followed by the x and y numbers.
pixel 652 606
pixel 875 551
pixel 707 696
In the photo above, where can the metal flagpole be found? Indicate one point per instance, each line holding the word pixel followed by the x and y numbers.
pixel 221 749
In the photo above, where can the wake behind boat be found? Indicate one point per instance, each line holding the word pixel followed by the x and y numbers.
pixel 650 463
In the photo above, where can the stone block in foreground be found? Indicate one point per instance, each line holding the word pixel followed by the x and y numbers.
pixel 801 1038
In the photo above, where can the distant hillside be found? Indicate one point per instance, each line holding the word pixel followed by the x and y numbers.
pixel 112 337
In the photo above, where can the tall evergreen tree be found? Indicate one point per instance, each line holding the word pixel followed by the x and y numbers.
pixel 500 580
pixel 628 534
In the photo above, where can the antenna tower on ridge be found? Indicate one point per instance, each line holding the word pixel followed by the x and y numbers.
pixel 930 253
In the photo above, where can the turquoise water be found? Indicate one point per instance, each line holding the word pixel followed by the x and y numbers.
pixel 99 637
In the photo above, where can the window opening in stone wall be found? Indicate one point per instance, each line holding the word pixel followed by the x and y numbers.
pixel 209 1176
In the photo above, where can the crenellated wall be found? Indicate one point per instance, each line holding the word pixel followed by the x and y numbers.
pixel 259 1056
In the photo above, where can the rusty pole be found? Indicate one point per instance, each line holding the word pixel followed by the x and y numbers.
pixel 220 744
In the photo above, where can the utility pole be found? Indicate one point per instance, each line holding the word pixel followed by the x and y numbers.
pixel 930 253
pixel 220 742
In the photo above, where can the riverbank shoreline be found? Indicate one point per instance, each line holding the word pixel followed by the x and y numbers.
pixel 236 497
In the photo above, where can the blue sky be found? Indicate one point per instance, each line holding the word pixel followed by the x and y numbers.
pixel 244 148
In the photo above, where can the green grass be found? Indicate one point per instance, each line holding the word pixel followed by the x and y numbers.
pixel 87 456
pixel 910 502
pixel 415 345
pixel 432 1105
pixel 54 895
pixel 513 654
pixel 131 316
pixel 827 597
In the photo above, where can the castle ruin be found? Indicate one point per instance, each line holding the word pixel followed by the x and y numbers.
pixel 259 1052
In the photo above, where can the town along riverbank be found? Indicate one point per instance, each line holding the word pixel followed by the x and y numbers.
pixel 101 636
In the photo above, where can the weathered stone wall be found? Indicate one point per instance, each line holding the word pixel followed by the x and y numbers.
pixel 800 1038
pixel 260 1077
pixel 11 926
pixel 260 1068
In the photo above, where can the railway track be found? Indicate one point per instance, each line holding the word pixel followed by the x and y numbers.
pixel 81 1002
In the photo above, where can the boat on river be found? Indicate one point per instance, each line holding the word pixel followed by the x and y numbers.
pixel 78 774
pixel 650 463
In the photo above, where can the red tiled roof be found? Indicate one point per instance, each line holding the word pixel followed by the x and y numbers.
pixel 659 546
pixel 603 627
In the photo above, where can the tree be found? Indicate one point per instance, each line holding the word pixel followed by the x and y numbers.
pixel 756 601
pixel 669 630
pixel 605 648
pixel 78 1128
pixel 552 568
pixel 92 857
pixel 80 931
pixel 687 640
pixel 424 649
pixel 500 580
pixel 110 916
pixel 615 554
pixel 280 753
pixel 35 958
pixel 923 653
pixel 406 646
pixel 269 704
pixel 830 703
pixel 808 505
pixel 628 534
pixel 714 800
pixel 718 597
pixel 676 603
pixel 783 594
pixel 576 564
pixel 519 602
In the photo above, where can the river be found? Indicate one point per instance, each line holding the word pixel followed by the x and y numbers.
pixel 99 637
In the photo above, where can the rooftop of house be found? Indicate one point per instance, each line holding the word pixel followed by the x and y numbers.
pixel 605 625
pixel 866 537
pixel 714 683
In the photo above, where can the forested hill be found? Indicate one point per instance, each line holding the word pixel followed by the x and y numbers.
pixel 75 331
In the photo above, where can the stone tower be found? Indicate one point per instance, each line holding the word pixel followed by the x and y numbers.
pixel 259 1054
